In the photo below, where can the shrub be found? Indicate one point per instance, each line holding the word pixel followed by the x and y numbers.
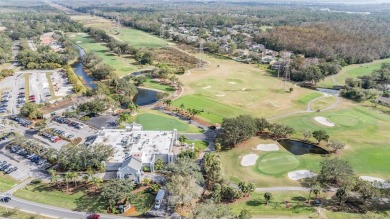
pixel 36 181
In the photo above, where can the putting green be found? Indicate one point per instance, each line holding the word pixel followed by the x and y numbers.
pixel 276 163
pixel 344 120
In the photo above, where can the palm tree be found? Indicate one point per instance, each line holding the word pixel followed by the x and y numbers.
pixel 85 179
pixel 55 179
pixel 182 107
pixel 340 194
pixel 267 197
pixel 218 147
pixel 67 177
pixel 96 181
pixel 182 139
pixel 53 173
pixel 74 177
pixel 317 189
pixel 168 102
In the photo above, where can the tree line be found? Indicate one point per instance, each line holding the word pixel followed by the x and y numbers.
pixel 236 130
pixel 369 86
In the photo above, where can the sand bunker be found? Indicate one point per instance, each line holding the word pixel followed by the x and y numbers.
pixel 377 182
pixel 243 89
pixel 249 160
pixel 220 95
pixel 300 174
pixel 267 147
pixel 207 87
pixel 78 42
pixel 231 82
pixel 324 121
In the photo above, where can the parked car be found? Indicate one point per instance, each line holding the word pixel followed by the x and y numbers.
pixel 5 198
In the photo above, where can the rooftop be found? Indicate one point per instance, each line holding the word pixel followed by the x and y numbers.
pixel 133 141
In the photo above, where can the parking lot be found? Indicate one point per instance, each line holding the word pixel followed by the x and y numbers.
pixel 19 167
pixel 83 132
pixel 60 84
pixel 39 87
pixel 14 93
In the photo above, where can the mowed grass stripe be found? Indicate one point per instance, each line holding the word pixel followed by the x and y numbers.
pixel 214 111
pixel 152 121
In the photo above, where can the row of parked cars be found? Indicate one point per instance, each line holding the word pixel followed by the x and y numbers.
pixel 21 99
pixel 15 149
pixel 4 102
pixel 52 138
pixel 69 122
pixel 21 121
pixel 7 136
pixel 63 133
pixel 7 168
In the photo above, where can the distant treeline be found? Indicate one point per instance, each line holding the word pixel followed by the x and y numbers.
pixel 352 41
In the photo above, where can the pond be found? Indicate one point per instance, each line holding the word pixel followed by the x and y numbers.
pixel 300 148
pixel 144 96
pixel 79 70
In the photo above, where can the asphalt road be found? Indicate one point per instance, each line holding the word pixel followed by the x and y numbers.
pixel 50 211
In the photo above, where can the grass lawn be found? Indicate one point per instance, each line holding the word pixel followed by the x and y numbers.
pixel 45 194
pixel 143 202
pixel 52 93
pixel 6 182
pixel 154 120
pixel 256 205
pixel 305 99
pixel 323 103
pixel 122 66
pixel 149 83
pixel 227 88
pixel 271 167
pixel 17 214
pixel 132 36
pixel 364 130
pixel 138 38
pixel 214 111
pixel 353 71
pixel 199 144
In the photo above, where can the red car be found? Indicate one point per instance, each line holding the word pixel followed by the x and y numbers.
pixel 94 216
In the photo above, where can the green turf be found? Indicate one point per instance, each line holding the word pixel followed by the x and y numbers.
pixel 276 163
pixel 364 130
pixel 353 71
pixel 256 205
pixel 159 121
pixel 214 111
pixel 18 214
pixel 6 182
pixel 143 202
pixel 199 144
pixel 155 85
pixel 138 38
pixel 305 99
pixel 121 65
pixel 79 200
pixel 323 103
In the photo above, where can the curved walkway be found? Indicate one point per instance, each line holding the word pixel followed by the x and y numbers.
pixel 309 108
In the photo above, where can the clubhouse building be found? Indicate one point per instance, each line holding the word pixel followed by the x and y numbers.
pixel 135 149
